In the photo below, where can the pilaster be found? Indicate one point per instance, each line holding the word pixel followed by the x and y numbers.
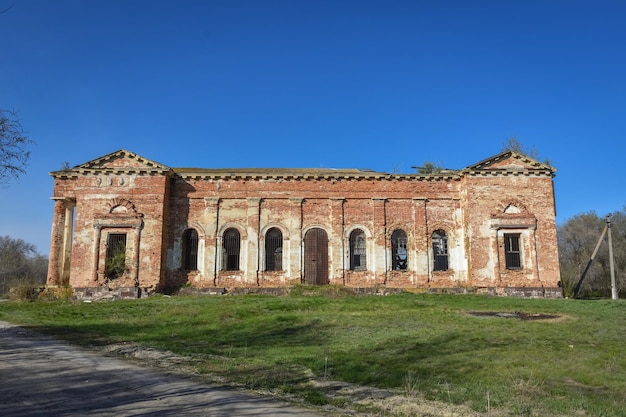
pixel 212 216
pixel 336 244
pixel 381 247
pixel 61 242
pixel 295 237
pixel 252 265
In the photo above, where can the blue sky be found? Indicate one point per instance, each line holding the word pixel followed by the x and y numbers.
pixel 383 85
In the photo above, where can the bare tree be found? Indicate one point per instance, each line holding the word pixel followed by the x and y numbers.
pixel 429 168
pixel 7 9
pixel 513 144
pixel 577 238
pixel 14 143
pixel 20 263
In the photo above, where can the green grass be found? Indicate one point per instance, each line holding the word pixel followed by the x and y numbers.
pixel 573 365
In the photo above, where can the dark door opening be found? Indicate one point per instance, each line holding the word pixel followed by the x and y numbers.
pixel 316 257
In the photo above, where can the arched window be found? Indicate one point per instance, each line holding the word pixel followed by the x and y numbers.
pixel 231 244
pixel 190 250
pixel 358 251
pixel 440 250
pixel 274 250
pixel 399 251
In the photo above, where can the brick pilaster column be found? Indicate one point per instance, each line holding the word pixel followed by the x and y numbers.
pixel 337 238
pixel 212 213
pixel 295 237
pixel 66 257
pixel 379 215
pixel 138 229
pixel 56 243
pixel 253 241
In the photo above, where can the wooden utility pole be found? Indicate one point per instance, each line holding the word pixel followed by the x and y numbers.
pixel 611 262
pixel 607 227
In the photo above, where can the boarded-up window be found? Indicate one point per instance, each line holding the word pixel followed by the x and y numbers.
pixel 358 251
pixel 190 250
pixel 230 250
pixel 274 250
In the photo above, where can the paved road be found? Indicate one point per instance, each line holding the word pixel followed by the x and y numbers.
pixel 40 376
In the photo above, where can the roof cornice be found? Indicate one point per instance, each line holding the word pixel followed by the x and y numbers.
pixel 304 175
pixel 508 172
pixel 80 172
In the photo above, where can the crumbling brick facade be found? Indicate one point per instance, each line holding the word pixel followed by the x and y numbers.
pixel 488 227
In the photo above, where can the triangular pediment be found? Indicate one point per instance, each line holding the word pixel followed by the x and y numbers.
pixel 122 160
pixel 118 162
pixel 510 161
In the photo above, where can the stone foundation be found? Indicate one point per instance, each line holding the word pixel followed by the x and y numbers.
pixel 102 293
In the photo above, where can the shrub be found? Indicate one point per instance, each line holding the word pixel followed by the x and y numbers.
pixel 24 290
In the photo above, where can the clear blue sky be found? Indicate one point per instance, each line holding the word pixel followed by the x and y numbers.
pixel 384 85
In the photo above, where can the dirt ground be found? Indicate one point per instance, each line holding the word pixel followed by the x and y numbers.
pixel 41 376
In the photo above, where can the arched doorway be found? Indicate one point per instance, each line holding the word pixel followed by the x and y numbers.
pixel 316 257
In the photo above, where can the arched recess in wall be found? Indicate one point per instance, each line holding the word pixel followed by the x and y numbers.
pixel 121 206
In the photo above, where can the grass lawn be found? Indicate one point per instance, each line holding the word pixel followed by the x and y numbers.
pixel 418 344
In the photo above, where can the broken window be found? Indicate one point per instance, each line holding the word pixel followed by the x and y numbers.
pixel 274 250
pixel 358 250
pixel 440 250
pixel 231 243
pixel 115 262
pixel 190 250
pixel 512 253
pixel 399 251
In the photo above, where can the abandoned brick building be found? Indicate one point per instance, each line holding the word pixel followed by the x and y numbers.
pixel 123 223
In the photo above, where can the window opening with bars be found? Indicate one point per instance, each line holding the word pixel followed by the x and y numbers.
pixel 512 253
pixel 230 250
pixel 440 250
pixel 274 250
pixel 358 250
pixel 115 262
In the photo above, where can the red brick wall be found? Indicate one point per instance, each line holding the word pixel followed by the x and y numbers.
pixel 470 207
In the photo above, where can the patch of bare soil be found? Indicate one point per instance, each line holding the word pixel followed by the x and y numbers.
pixel 356 400
pixel 514 315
